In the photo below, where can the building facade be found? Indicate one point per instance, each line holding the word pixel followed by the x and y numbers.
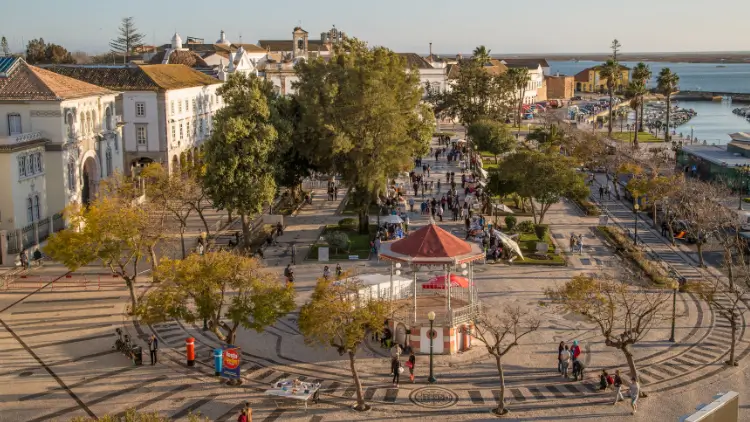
pixel 590 80
pixel 59 137
pixel 167 110
pixel 560 87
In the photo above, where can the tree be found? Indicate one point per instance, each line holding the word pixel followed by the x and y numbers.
pixel 610 71
pixel 622 313
pixel 238 156
pixel 128 38
pixel 361 112
pixel 543 178
pixel 491 136
pixel 38 52
pixel 290 165
pixel 518 79
pixel 334 318
pixel 482 55
pixel 226 290
pixel 500 333
pixel 641 73
pixel 666 83
pixel 635 92
pixel 615 46
pixel 115 231
pixel 553 136
pixel 4 47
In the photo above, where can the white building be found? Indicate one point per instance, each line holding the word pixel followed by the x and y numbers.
pixel 433 75
pixel 58 138
pixel 167 110
pixel 535 89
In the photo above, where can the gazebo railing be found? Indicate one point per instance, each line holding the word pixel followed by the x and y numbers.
pixel 465 314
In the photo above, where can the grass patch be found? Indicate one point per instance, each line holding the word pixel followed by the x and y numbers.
pixel 359 244
pixel 628 137
pixel 527 242
pixel 288 204
pixel 624 245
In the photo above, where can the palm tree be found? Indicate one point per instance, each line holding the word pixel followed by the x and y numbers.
pixel 518 78
pixel 641 73
pixel 482 54
pixel 610 71
pixel 666 83
pixel 635 92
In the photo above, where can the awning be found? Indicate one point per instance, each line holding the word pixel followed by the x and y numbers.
pixel 438 283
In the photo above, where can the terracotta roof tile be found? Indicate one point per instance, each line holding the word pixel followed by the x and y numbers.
pixel 158 77
pixel 188 58
pixel 171 76
pixel 30 83
pixel 433 242
pixel 415 60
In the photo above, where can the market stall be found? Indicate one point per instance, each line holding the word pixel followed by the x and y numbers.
pixel 294 390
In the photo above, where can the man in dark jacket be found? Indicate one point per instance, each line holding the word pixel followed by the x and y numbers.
pixel 153 346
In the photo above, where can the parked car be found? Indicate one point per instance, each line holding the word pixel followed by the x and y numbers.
pixel 577 98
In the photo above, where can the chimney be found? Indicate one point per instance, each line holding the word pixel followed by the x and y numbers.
pixel 430 52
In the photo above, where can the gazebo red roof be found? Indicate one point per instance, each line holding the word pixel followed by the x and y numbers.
pixel 431 241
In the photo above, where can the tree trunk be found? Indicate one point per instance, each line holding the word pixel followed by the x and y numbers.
pixel 361 405
pixel 631 364
pixel 245 232
pixel 667 135
pixel 203 219
pixel 182 240
pixel 654 206
pixel 130 281
pixel 501 399
pixel 640 126
pixel 609 123
pixel 154 258
pixel 733 324
pixel 637 129
pixel 364 221
pixel 699 247
pixel 231 337
pixel 229 215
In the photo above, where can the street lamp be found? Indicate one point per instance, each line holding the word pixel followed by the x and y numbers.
pixel 431 316
pixel 742 172
pixel 636 207
pixel 675 286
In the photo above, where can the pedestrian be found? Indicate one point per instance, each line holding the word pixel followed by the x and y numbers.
pixel 601 192
pixel 560 349
pixel 603 382
pixel 339 270
pixel 243 416
pixel 635 390
pixel 580 244
pixel 664 228
pixel 396 368
pixel 618 388
pixel 608 192
pixel 440 213
pixel 428 170
pixel 572 242
pixel 410 363
pixel 377 248
pixel 438 186
pixel 199 249
pixel 24 258
pixel 565 361
pixel 326 273
pixel 288 273
pixel 411 204
pixel 578 368
pixel 575 350
pixel 153 347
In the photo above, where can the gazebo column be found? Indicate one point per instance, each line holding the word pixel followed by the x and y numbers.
pixel 415 293
pixel 448 280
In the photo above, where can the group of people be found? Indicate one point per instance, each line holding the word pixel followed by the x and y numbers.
pixel 437 208
pixel 567 355
pixel 23 257
pixel 576 243
pixel 327 272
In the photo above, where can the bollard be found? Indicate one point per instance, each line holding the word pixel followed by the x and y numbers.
pixel 217 361
pixel 190 346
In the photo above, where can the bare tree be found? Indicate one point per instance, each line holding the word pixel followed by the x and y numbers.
pixel 500 333
pixel 728 302
pixel 622 312
pixel 128 39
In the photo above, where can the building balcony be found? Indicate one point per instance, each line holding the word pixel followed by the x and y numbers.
pixel 20 138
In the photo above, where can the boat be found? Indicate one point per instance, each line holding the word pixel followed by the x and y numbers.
pixel 721 65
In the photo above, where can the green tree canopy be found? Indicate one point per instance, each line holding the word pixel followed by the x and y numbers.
pixel 544 178
pixel 229 291
pixel 39 52
pixel 666 84
pixel 362 116
pixel 128 38
pixel 491 136
pixel 239 156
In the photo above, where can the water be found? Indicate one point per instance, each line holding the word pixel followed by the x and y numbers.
pixel 714 121
pixel 693 76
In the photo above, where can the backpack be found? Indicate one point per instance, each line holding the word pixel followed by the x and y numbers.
pixel 610 380
pixel 242 417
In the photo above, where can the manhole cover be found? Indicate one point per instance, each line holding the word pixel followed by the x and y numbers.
pixel 433 397
pixel 26 374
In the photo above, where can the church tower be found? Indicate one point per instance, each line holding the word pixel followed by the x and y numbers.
pixel 299 38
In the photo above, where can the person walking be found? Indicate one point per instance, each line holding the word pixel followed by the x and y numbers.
pixel 603 380
pixel 580 244
pixel 565 361
pixel 396 368
pixel 572 242
pixel 24 258
pixel 578 368
pixel 339 270
pixel 411 204
pixel 575 350
pixel 560 349
pixel 326 273
pixel 635 390
pixel 410 363
pixel 153 347
pixel 618 388
pixel 440 213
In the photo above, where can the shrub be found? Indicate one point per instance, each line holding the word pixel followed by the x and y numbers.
pixel 348 223
pixel 337 240
pixel 526 226
pixel 510 221
pixel 541 230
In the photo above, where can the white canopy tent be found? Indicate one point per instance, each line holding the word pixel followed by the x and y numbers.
pixel 378 286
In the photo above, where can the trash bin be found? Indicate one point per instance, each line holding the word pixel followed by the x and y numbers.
pixel 137 355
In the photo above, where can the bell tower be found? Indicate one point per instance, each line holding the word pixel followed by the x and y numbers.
pixel 299 41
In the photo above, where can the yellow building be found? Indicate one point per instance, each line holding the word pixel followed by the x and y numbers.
pixel 589 80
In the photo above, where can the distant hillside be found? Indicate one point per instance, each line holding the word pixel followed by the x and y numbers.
pixel 682 57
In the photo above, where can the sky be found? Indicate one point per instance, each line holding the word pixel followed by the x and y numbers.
pixel 504 26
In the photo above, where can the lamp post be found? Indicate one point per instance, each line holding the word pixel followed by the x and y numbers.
pixel 431 316
pixel 636 207
pixel 675 285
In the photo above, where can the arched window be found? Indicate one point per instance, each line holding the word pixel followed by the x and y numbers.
pixel 38 163
pixel 72 175
pixel 108 161
pixel 37 211
pixel 108 117
pixel 69 123
pixel 29 210
pixel 82 123
pixel 95 123
pixel 89 123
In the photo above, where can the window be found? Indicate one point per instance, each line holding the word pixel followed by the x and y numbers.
pixel 181 132
pixel 37 211
pixel 188 129
pixel 140 109
pixel 72 175
pixel 38 162
pixel 22 166
pixel 14 124
pixel 171 107
pixel 89 123
pixel 174 135
pixel 108 161
pixel 108 118
pixel 200 122
pixel 140 135
pixel 29 210
pixel 179 106
pixel 187 107
pixel 194 109
pixel 300 44
pixel 69 123
pixel 96 125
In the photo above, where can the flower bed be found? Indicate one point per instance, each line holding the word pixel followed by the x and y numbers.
pixel 624 246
